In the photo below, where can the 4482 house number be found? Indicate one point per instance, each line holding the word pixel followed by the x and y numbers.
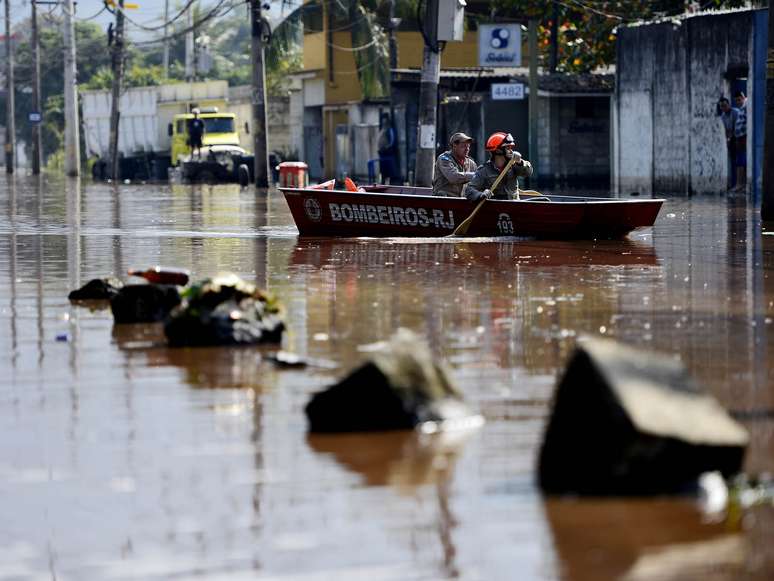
pixel 507 91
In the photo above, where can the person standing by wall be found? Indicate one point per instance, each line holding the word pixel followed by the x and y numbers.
pixel 388 147
pixel 728 117
pixel 740 138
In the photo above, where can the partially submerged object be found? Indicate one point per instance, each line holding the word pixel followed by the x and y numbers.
pixel 400 387
pixel 289 360
pixel 225 310
pixel 628 422
pixel 392 211
pixel 144 303
pixel 97 289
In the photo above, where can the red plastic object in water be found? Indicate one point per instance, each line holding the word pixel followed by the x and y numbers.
pixel 163 275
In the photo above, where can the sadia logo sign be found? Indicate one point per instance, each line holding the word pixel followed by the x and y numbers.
pixel 499 38
pixel 499 45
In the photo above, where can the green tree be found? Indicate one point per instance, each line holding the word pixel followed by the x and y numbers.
pixel 92 55
pixel 587 28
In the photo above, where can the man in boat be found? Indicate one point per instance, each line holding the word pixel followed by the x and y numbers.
pixel 501 148
pixel 454 168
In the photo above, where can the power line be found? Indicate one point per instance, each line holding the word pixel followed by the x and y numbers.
pixel 93 16
pixel 161 26
pixel 212 14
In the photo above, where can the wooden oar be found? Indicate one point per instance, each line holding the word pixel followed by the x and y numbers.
pixel 463 226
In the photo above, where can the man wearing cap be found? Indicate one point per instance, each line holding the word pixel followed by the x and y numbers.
pixel 454 168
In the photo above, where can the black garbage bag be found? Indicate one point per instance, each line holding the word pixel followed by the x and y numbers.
pixel 225 311
pixel 144 303
pixel 97 289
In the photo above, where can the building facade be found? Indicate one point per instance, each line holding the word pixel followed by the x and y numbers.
pixel 345 88
pixel 670 75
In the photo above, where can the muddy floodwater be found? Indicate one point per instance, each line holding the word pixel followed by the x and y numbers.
pixel 121 458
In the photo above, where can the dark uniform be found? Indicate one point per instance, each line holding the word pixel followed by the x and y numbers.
pixel 196 133
pixel 486 175
pixel 451 175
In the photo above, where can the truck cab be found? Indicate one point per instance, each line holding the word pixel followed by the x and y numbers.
pixel 220 135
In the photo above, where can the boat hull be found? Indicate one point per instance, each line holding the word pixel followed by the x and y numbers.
pixel 386 211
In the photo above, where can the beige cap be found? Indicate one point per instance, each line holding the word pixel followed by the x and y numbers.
pixel 459 136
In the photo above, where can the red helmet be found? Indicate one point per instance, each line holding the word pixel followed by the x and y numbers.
pixel 499 141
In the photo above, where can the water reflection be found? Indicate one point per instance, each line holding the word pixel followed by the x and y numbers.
pixel 403 459
pixel 643 539
pixel 406 254
pixel 518 303
pixel 145 345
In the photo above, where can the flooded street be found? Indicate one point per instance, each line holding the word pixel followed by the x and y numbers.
pixel 124 459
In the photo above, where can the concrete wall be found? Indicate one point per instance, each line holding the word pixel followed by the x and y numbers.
pixel 456 54
pixel 670 76
pixel 574 140
pixel 278 118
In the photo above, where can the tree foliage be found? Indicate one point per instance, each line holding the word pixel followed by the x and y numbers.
pixel 587 28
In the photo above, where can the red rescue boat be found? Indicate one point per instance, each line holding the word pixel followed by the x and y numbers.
pixel 397 211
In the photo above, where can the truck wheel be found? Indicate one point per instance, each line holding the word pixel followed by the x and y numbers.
pixel 243 174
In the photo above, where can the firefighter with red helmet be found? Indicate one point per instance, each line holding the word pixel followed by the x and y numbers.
pixel 501 148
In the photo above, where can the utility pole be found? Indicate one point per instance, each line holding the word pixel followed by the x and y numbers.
pixel 392 24
pixel 189 45
pixel 37 149
pixel 428 99
pixel 260 126
pixel 166 39
pixel 533 93
pixel 72 117
pixel 10 112
pixel 117 66
pixel 767 205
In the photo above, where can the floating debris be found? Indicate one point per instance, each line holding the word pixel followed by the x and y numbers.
pixel 97 289
pixel 294 360
pixel 400 387
pixel 144 303
pixel 225 310
pixel 163 275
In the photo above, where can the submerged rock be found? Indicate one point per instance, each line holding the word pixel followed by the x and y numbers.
pixel 631 422
pixel 288 360
pixel 401 387
pixel 144 303
pixel 225 310
pixel 97 289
